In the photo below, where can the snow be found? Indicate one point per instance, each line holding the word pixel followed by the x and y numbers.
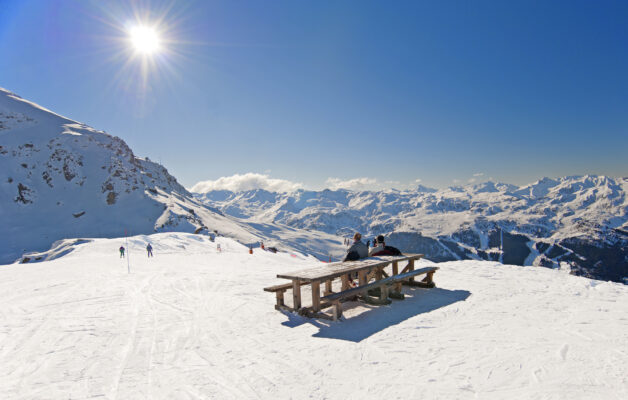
pixel 193 322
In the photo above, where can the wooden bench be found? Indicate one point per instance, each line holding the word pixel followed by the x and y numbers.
pixel 366 270
pixel 279 290
pixel 335 298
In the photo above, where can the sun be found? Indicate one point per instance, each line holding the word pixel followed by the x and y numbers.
pixel 145 39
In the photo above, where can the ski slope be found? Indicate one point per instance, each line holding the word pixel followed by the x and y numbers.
pixel 193 323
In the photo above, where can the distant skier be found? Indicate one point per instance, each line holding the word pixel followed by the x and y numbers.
pixel 121 251
pixel 218 247
pixel 149 250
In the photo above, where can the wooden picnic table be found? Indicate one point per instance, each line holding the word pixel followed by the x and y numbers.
pixel 366 270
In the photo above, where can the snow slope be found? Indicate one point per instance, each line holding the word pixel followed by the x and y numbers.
pixel 61 179
pixel 195 323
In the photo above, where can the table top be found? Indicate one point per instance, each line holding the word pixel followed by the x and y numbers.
pixel 336 269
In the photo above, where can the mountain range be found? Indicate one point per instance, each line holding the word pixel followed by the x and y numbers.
pixel 575 222
pixel 61 179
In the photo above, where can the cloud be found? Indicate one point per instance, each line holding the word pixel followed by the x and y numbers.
pixel 249 181
pixel 417 180
pixel 479 174
pixel 352 184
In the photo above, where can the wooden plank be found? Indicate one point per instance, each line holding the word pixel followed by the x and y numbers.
pixel 386 281
pixel 316 296
pixel 296 294
pixel 413 273
pixel 323 273
pixel 334 270
pixel 283 287
pixel 395 268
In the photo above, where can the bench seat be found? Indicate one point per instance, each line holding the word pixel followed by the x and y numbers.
pixel 335 298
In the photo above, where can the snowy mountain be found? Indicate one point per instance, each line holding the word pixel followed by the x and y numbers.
pixel 192 322
pixel 578 220
pixel 62 179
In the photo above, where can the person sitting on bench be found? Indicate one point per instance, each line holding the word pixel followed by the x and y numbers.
pixel 357 250
pixel 380 248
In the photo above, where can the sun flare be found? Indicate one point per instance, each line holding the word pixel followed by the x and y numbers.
pixel 145 40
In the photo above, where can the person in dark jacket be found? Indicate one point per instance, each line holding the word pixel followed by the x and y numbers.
pixel 121 251
pixel 357 250
pixel 380 248
pixel 149 250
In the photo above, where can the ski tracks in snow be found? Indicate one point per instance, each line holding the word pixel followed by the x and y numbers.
pixel 199 326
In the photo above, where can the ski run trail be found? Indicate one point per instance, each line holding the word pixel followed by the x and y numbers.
pixel 194 323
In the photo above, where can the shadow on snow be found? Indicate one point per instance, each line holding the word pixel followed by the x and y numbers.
pixel 378 318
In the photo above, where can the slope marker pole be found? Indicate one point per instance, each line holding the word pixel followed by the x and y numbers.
pixel 128 253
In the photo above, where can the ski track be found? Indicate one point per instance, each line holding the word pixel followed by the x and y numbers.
pixel 197 325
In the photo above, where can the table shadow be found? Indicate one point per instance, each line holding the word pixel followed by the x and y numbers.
pixel 377 318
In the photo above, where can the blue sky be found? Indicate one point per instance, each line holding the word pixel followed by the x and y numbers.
pixel 443 92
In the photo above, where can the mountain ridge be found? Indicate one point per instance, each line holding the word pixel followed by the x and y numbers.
pixel 60 179
pixel 578 220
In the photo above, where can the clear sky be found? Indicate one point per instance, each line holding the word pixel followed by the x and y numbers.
pixel 441 91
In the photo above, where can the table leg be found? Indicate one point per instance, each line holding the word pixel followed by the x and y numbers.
pixel 296 294
pixel 316 296
pixel 395 271
pixel 345 282
pixel 362 278
pixel 327 287
pixel 411 268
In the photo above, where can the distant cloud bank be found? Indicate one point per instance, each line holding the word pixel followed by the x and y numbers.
pixel 253 181
pixel 352 184
pixel 248 181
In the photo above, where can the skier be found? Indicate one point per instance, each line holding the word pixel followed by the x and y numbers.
pixel 121 251
pixel 149 250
